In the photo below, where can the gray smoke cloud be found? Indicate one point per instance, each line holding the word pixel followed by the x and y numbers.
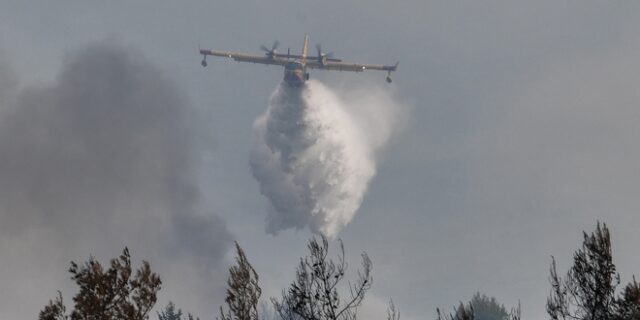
pixel 315 154
pixel 100 158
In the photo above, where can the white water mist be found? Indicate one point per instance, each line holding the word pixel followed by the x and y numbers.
pixel 315 154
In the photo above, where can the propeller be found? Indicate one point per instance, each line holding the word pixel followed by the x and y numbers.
pixel 322 55
pixel 270 52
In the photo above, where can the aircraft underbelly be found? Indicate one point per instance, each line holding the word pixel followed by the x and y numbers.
pixel 294 78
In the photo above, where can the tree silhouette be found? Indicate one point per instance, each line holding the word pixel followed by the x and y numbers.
pixel 243 292
pixel 486 308
pixel 170 313
pixel 629 302
pixel 314 294
pixel 115 293
pixel 588 291
pixel 462 312
pixel 481 307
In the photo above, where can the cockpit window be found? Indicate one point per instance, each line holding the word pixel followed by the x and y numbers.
pixel 293 66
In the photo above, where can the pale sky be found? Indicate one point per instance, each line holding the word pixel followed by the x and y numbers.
pixel 521 133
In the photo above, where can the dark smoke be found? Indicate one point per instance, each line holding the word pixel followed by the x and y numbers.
pixel 101 158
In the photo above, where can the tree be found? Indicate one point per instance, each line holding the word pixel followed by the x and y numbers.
pixel 55 310
pixel 392 311
pixel 486 308
pixel 170 313
pixel 243 292
pixel 314 293
pixel 588 291
pixel 462 312
pixel 481 307
pixel 115 293
pixel 629 302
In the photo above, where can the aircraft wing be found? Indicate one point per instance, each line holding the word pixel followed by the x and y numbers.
pixel 345 66
pixel 241 57
pixel 297 56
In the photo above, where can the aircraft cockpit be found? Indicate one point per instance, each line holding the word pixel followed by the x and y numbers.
pixel 294 65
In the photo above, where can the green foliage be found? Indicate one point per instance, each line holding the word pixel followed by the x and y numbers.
pixel 170 313
pixel 486 308
pixel 481 307
pixel 243 292
pixel 115 293
pixel 462 312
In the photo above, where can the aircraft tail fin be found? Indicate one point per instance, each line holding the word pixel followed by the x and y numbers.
pixel 305 47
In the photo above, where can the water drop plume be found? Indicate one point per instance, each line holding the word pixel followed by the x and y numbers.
pixel 315 153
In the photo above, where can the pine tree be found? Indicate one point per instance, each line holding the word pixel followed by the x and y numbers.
pixel 314 294
pixel 481 307
pixel 243 292
pixel 629 302
pixel 588 291
pixel 170 313
pixel 115 293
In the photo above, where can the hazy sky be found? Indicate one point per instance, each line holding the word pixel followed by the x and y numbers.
pixel 522 132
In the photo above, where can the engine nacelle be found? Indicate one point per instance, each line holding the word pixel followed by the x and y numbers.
pixel 203 63
pixel 389 79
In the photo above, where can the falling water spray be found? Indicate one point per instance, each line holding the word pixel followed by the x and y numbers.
pixel 315 151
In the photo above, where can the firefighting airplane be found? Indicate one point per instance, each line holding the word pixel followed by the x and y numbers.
pixel 295 66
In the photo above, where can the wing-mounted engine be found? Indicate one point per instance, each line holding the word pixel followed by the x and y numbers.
pixel 295 65
pixel 271 53
pixel 324 57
